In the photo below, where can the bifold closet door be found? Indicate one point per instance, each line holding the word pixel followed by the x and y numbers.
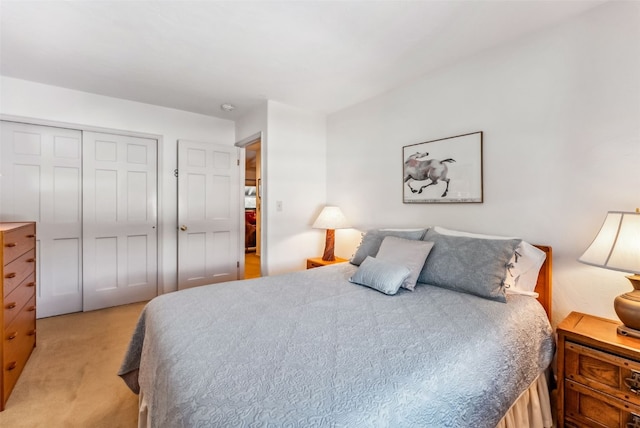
pixel 41 181
pixel 119 220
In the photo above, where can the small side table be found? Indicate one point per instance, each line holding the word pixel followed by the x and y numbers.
pixel 317 262
pixel 598 374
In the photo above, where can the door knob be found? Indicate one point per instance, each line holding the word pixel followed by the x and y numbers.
pixel 183 227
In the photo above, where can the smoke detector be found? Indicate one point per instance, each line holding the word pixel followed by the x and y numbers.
pixel 228 107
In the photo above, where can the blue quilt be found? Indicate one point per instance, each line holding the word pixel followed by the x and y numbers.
pixel 311 349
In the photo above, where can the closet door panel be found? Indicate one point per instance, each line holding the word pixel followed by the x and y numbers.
pixel 65 267
pixel 66 186
pixel 41 181
pixel 25 192
pixel 119 218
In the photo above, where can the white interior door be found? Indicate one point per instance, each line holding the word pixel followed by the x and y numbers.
pixel 119 220
pixel 41 180
pixel 208 213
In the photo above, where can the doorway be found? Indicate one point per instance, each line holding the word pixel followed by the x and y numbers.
pixel 252 209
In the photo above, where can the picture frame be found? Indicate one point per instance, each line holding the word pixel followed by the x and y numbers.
pixel 447 170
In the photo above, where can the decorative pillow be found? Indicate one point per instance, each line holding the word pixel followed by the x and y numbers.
pixel 405 252
pixel 380 275
pixel 470 265
pixel 523 268
pixel 372 239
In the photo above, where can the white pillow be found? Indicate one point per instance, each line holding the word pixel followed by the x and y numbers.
pixel 405 252
pixel 525 264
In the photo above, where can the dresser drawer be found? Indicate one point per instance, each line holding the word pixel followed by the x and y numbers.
pixel 17 271
pixel 585 407
pixel 19 339
pixel 611 374
pixel 18 298
pixel 17 241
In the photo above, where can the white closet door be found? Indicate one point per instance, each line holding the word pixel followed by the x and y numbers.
pixel 41 180
pixel 208 213
pixel 119 220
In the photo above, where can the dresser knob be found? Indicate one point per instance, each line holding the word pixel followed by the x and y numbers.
pixel 31 236
pixel 10 275
pixel 31 260
pixel 10 244
pixel 31 284
pixel 11 305
pixel 12 336
pixel 31 332
pixel 31 308
pixel 12 365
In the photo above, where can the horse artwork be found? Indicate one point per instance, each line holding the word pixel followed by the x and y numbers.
pixel 422 170
pixel 445 170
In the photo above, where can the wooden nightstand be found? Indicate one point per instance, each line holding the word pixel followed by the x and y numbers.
pixel 317 262
pixel 598 374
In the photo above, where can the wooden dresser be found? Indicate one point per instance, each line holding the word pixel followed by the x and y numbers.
pixel 598 374
pixel 18 318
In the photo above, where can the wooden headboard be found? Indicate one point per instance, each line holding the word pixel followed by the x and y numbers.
pixel 543 286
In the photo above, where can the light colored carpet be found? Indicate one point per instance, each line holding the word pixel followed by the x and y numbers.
pixel 71 378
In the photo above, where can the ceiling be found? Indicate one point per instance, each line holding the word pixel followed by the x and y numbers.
pixel 195 55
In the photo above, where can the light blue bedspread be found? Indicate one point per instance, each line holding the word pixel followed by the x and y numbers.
pixel 310 349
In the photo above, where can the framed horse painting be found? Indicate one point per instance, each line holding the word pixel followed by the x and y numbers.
pixel 443 171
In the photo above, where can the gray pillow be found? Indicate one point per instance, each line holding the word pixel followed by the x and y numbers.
pixel 405 252
pixel 380 275
pixel 372 239
pixel 470 265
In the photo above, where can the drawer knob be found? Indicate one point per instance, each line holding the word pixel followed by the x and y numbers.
pixel 10 275
pixel 633 382
pixel 31 332
pixel 11 244
pixel 31 236
pixel 12 365
pixel 31 260
pixel 31 284
pixel 11 305
pixel 12 336
pixel 31 308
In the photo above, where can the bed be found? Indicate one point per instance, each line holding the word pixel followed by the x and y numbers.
pixel 317 348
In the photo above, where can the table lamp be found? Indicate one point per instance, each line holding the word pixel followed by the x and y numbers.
pixel 617 247
pixel 330 218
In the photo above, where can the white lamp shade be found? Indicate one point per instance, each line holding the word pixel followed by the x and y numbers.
pixel 617 245
pixel 331 218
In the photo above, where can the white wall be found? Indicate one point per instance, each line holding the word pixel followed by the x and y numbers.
pixel 295 176
pixel 560 111
pixel 294 160
pixel 34 100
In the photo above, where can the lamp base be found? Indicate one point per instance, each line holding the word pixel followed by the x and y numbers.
pixel 627 308
pixel 329 245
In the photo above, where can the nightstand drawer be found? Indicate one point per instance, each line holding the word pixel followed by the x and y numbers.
pixel 318 262
pixel 608 373
pixel 311 264
pixel 585 407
